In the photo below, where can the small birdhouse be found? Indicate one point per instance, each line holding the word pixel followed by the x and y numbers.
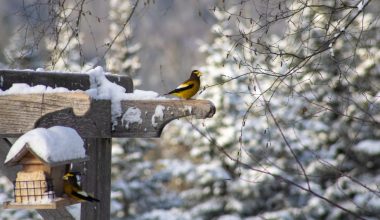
pixel 45 156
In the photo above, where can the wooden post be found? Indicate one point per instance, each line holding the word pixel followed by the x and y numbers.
pixel 97 179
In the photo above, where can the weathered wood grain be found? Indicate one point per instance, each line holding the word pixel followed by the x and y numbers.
pixel 151 125
pixel 59 213
pixel 97 179
pixel 92 118
pixel 71 81
pixel 21 113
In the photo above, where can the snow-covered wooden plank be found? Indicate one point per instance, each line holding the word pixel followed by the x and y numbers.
pixel 71 81
pixel 21 113
pixel 147 118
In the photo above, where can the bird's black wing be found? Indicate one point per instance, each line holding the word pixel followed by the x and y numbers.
pixel 181 89
pixel 87 198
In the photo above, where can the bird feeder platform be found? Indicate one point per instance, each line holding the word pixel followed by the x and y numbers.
pixel 94 121
pixel 53 204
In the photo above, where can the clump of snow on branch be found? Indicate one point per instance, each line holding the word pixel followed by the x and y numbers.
pixel 369 147
pixel 360 5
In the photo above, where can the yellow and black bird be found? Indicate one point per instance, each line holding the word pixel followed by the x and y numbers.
pixel 189 88
pixel 73 189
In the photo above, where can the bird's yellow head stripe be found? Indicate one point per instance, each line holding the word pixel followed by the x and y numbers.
pixel 197 72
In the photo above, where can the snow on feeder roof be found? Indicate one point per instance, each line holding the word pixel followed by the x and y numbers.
pixel 53 146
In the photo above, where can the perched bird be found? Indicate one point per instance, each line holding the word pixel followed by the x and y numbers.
pixel 73 190
pixel 188 88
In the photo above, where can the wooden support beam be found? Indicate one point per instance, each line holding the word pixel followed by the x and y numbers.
pixel 97 179
pixel 21 113
pixel 149 111
pixel 92 118
pixel 71 81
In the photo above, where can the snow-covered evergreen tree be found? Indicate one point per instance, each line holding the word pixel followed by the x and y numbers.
pixel 64 45
pixel 300 128
pixel 22 50
pixel 121 57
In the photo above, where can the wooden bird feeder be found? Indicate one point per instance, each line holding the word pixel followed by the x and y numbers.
pixel 95 123
pixel 39 183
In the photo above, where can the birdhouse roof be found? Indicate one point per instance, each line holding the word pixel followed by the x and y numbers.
pixel 53 146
